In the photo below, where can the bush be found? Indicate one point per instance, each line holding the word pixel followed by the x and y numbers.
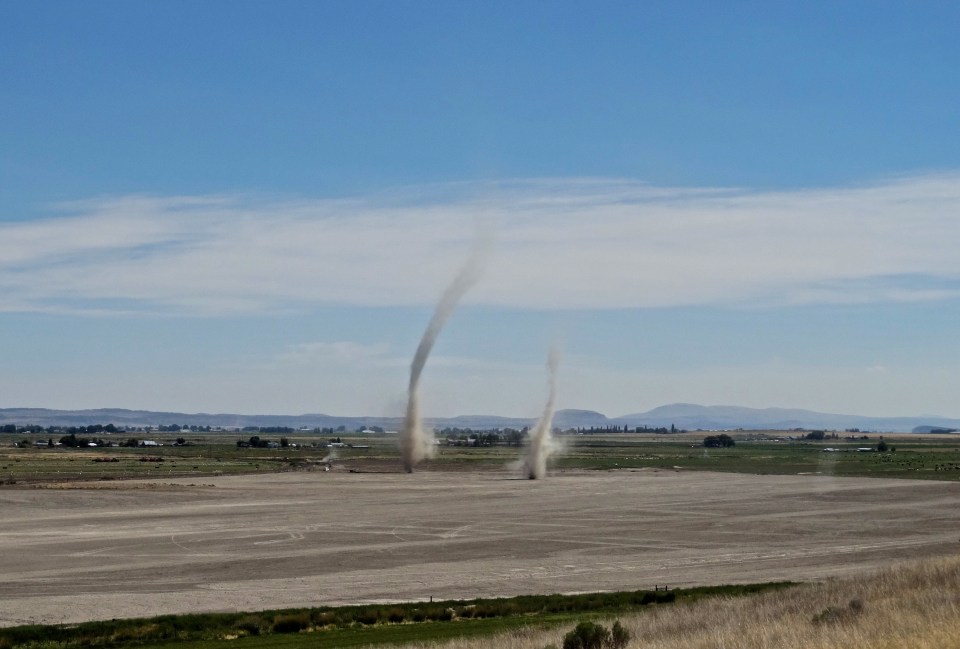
pixel 495 609
pixel 368 616
pixel 445 615
pixel 250 624
pixel 587 635
pixel 291 623
pixel 323 618
pixel 619 637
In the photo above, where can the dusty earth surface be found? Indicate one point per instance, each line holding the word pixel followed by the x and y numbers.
pixel 112 550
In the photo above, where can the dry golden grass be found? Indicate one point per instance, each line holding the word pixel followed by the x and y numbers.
pixel 915 606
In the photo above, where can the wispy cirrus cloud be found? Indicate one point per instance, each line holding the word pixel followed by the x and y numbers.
pixel 570 244
pixel 342 353
pixel 380 356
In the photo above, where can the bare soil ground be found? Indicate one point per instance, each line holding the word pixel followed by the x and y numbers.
pixel 130 549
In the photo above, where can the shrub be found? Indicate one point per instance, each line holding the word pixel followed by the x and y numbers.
pixel 250 624
pixel 323 618
pixel 368 616
pixel 395 615
pixel 494 609
pixel 587 635
pixel 619 637
pixel 291 623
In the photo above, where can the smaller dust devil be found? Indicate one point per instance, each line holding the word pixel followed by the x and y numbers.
pixel 542 444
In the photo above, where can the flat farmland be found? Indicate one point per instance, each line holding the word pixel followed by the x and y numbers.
pixel 119 549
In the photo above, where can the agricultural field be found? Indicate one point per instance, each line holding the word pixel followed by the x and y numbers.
pixel 935 457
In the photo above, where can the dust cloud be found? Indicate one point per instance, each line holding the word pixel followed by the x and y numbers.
pixel 542 443
pixel 416 443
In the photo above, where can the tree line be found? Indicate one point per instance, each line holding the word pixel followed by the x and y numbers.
pixel 607 430
pixel 34 429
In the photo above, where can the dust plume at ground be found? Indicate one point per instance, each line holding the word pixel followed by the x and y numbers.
pixel 542 443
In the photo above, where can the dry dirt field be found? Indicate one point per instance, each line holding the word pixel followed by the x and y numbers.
pixel 129 549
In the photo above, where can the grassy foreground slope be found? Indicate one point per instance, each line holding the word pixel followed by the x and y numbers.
pixel 915 605
pixel 349 626
pixel 910 605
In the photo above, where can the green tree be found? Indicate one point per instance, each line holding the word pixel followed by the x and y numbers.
pixel 718 441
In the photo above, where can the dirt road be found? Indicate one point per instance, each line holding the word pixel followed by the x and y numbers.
pixel 307 539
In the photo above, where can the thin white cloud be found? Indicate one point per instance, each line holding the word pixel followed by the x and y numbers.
pixel 571 244
pixel 342 353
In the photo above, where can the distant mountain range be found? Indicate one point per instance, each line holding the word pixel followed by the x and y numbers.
pixel 682 415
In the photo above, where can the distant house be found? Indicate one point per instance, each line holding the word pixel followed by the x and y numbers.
pixel 149 442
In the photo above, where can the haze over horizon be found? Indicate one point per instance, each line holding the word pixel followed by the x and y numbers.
pixel 235 207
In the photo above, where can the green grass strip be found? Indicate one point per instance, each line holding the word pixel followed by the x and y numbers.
pixel 349 626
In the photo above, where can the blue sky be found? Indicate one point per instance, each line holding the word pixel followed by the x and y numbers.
pixel 252 207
